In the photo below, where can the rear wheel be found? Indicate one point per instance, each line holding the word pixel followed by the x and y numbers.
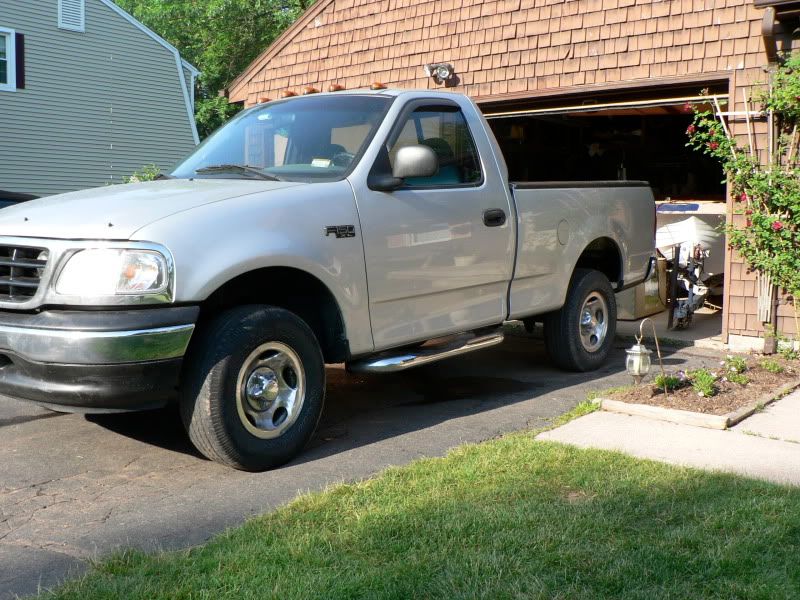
pixel 254 388
pixel 580 335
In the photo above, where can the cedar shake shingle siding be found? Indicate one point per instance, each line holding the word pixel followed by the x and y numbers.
pixel 518 49
pixel 507 46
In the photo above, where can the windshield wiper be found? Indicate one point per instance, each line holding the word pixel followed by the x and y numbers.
pixel 243 169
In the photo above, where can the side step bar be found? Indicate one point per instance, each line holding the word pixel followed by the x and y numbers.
pixel 406 358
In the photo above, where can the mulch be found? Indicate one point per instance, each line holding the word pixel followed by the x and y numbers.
pixel 730 396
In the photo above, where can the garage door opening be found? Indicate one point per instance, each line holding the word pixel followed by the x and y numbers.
pixel 620 141
pixel 628 140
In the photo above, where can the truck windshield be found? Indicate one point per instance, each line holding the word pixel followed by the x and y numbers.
pixel 306 139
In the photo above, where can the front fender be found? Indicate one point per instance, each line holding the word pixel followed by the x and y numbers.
pixel 215 243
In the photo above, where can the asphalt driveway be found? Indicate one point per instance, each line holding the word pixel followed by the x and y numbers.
pixel 73 488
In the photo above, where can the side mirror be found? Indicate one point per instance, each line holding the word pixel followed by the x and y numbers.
pixel 415 161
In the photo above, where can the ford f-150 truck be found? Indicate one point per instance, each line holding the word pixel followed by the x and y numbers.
pixel 374 228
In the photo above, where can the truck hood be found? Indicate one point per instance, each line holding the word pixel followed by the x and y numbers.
pixel 117 212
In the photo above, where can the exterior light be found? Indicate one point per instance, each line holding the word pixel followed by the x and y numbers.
pixel 335 87
pixel 637 361
pixel 377 86
pixel 310 90
pixel 288 94
pixel 264 99
pixel 441 72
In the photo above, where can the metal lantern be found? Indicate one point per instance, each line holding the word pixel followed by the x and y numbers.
pixel 638 361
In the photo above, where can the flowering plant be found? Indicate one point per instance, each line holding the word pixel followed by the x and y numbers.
pixel 765 188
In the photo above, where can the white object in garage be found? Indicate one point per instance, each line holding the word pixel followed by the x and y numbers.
pixel 703 229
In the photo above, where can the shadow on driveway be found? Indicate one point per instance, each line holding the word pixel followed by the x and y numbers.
pixel 363 409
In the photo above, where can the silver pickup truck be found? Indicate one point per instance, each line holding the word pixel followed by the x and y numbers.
pixel 375 228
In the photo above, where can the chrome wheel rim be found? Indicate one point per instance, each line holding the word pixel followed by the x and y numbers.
pixel 270 390
pixel 593 322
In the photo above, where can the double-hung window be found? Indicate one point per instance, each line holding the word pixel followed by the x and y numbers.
pixel 8 60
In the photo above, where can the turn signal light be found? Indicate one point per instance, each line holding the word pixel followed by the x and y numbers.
pixel 377 86
pixel 264 99
pixel 288 94
pixel 335 87
pixel 310 90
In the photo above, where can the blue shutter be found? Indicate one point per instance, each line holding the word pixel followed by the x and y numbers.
pixel 20 60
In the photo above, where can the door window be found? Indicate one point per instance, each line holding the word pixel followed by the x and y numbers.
pixel 445 131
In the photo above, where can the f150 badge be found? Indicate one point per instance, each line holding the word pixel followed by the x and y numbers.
pixel 341 231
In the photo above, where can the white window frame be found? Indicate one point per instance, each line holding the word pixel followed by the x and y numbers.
pixel 11 57
pixel 61 25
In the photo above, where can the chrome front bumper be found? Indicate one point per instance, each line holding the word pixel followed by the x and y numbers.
pixel 96 347
pixel 95 361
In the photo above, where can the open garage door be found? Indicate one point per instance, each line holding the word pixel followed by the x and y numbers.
pixel 632 139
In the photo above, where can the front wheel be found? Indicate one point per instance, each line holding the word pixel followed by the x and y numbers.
pixel 254 388
pixel 579 336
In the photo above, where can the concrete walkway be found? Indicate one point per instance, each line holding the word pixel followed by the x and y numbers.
pixel 765 446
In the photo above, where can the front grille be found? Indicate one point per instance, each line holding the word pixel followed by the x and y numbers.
pixel 21 271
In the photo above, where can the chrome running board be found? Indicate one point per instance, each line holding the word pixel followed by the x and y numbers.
pixel 401 359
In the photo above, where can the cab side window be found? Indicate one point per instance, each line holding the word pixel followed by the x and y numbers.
pixel 445 131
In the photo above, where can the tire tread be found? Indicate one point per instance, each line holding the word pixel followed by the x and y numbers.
pixel 562 341
pixel 203 390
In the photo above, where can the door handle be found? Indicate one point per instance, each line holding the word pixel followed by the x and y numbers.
pixel 494 217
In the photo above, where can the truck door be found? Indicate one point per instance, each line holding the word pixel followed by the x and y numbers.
pixel 439 250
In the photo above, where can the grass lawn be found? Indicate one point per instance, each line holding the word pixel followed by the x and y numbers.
pixel 511 518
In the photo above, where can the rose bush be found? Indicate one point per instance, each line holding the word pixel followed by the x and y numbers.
pixel 766 193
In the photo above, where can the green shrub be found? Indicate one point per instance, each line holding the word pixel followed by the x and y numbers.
pixel 148 173
pixel 788 352
pixel 668 383
pixel 739 378
pixel 703 382
pixel 773 366
pixel 735 364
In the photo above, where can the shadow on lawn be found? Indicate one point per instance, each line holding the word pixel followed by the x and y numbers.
pixel 364 409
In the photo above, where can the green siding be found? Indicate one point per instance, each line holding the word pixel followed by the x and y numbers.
pixel 97 105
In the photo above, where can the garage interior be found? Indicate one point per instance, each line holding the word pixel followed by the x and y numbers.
pixel 628 138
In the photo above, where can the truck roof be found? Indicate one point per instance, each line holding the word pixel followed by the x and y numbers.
pixel 394 92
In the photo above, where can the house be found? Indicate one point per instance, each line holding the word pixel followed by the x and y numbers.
pixel 88 95
pixel 595 89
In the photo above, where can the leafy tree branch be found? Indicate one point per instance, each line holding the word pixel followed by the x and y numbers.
pixel 219 37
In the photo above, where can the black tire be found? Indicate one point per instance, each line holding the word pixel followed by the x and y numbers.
pixel 213 413
pixel 562 328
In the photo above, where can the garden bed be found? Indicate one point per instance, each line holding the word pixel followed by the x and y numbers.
pixel 737 383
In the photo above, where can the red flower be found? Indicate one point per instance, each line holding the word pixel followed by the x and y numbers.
pixel 691 130
pixel 713 145
pixel 777 226
pixel 688 108
pixel 742 198
pixel 748 212
pixel 748 223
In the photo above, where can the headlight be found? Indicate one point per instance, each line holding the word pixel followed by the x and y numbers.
pixel 111 272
